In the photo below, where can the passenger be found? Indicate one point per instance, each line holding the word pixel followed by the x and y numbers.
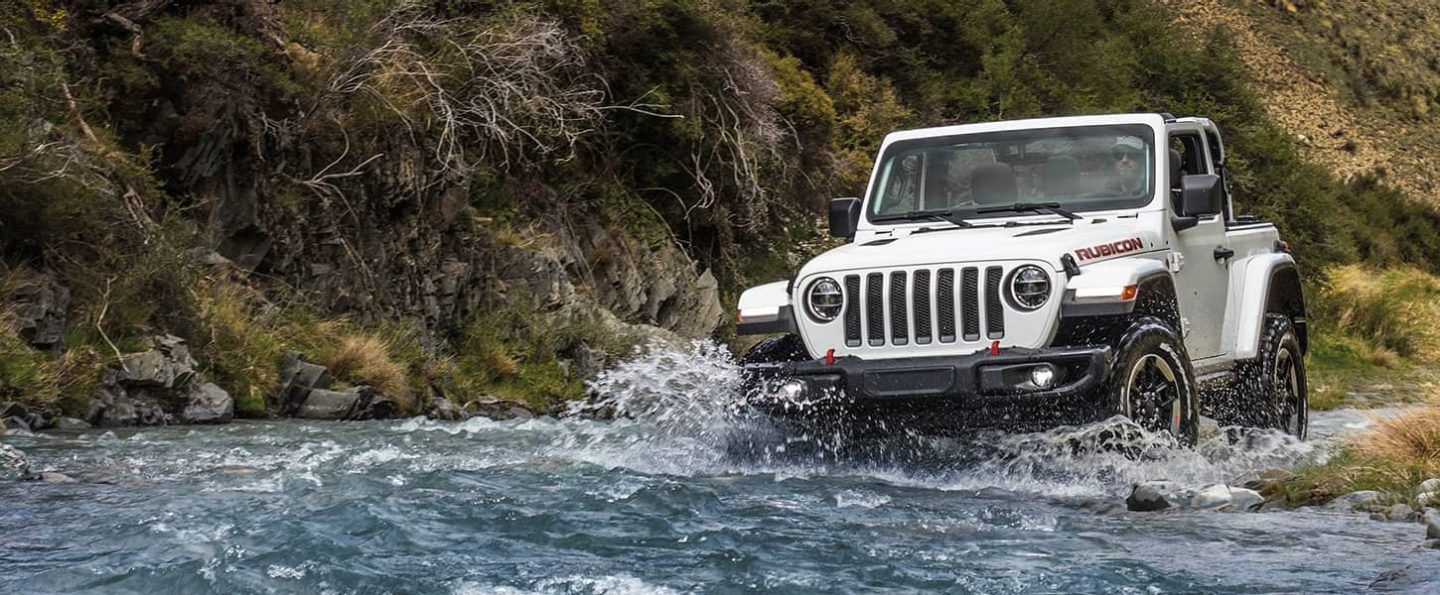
pixel 1129 156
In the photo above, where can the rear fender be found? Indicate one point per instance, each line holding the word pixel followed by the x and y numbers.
pixel 1263 284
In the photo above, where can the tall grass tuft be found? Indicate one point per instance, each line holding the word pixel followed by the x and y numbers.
pixel 365 359
pixel 1393 311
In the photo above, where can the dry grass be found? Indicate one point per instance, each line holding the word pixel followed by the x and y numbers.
pixel 1411 439
pixel 365 359
pixel 1392 309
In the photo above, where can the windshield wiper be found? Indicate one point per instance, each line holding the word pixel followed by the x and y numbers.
pixel 1031 207
pixel 932 215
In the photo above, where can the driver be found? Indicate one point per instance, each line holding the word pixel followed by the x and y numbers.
pixel 1129 155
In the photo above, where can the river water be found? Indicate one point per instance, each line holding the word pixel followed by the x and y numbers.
pixel 662 500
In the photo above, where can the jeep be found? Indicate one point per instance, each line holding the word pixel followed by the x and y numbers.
pixel 1036 273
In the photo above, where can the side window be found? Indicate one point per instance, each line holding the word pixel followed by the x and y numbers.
pixel 1192 155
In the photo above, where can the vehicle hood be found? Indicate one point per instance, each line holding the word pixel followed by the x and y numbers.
pixel 1086 241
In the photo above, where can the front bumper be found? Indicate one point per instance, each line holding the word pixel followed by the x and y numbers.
pixel 937 394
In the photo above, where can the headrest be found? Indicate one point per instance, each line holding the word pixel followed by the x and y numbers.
pixel 1060 176
pixel 993 184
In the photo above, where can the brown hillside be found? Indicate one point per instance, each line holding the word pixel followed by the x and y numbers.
pixel 1358 83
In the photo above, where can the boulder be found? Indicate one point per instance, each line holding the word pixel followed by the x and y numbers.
pixel 1431 519
pixel 168 366
pixel 297 378
pixel 444 409
pixel 13 464
pixel 113 407
pixel 70 423
pixel 1245 500
pixel 1361 500
pixel 209 404
pixel 52 477
pixel 1402 513
pixel 1155 495
pixel 1428 498
pixel 1429 485
pixel 19 417
pixel 1211 497
pixel 353 403
pixel 499 409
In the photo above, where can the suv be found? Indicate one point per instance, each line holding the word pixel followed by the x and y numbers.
pixel 1035 273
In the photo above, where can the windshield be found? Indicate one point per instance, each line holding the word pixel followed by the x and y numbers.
pixel 1082 168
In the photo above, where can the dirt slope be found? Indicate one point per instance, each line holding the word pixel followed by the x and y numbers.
pixel 1356 82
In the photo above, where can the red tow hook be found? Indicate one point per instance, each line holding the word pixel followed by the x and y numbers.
pixel 830 357
pixel 994 348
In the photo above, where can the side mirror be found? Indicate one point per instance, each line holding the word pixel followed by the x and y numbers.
pixel 1200 196
pixel 844 217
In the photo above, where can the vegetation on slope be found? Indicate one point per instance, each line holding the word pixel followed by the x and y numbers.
pixel 128 132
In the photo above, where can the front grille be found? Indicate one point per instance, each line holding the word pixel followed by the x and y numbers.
pixel 921 307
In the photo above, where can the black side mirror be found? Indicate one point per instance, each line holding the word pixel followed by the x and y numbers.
pixel 844 217
pixel 1200 196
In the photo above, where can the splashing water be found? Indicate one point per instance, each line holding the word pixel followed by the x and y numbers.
pixel 659 499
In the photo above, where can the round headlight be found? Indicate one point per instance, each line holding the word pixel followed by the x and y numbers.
pixel 1029 287
pixel 824 300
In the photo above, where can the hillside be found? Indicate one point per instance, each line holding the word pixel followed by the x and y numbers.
pixel 1357 83
pixel 455 199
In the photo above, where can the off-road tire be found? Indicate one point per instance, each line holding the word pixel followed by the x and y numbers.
pixel 1151 380
pixel 1272 387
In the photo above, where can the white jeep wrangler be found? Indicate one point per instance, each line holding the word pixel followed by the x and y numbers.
pixel 1036 273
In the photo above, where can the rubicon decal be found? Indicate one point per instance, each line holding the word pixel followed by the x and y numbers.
pixel 1111 249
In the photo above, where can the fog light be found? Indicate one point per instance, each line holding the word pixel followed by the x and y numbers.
pixel 1042 376
pixel 790 390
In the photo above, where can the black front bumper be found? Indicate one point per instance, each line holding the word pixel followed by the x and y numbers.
pixel 937 394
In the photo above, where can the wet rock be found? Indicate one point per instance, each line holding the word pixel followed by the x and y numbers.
pixel 1245 500
pixel 1431 519
pixel 13 464
pixel 1401 513
pixel 37 308
pixel 445 410
pixel 52 477
pixel 1258 479
pixel 499 409
pixel 209 404
pixel 19 417
pixel 70 423
pixel 114 408
pixel 1211 497
pixel 1361 500
pixel 1156 495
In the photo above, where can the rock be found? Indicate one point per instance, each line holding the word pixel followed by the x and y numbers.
pixel 297 378
pixel 1428 498
pixel 70 423
pixel 37 310
pixel 209 404
pixel 446 410
pixel 1401 513
pixel 16 424
pixel 1246 500
pixel 114 408
pixel 1429 485
pixel 168 365
pixel 13 464
pixel 1431 519
pixel 361 402
pixel 1211 497
pixel 1362 500
pixel 1152 495
pixel 19 417
pixel 499 409
pixel 52 477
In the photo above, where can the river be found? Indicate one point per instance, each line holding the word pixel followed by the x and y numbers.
pixel 658 501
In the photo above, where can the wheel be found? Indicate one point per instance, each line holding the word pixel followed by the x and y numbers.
pixel 1152 382
pixel 1273 384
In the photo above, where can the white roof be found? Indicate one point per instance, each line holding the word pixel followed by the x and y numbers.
pixel 1153 120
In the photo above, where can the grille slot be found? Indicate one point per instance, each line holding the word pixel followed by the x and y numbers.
pixel 852 311
pixel 970 303
pixel 994 308
pixel 899 323
pixel 945 305
pixel 921 300
pixel 875 309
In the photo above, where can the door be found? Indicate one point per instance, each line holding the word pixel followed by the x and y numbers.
pixel 1203 281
